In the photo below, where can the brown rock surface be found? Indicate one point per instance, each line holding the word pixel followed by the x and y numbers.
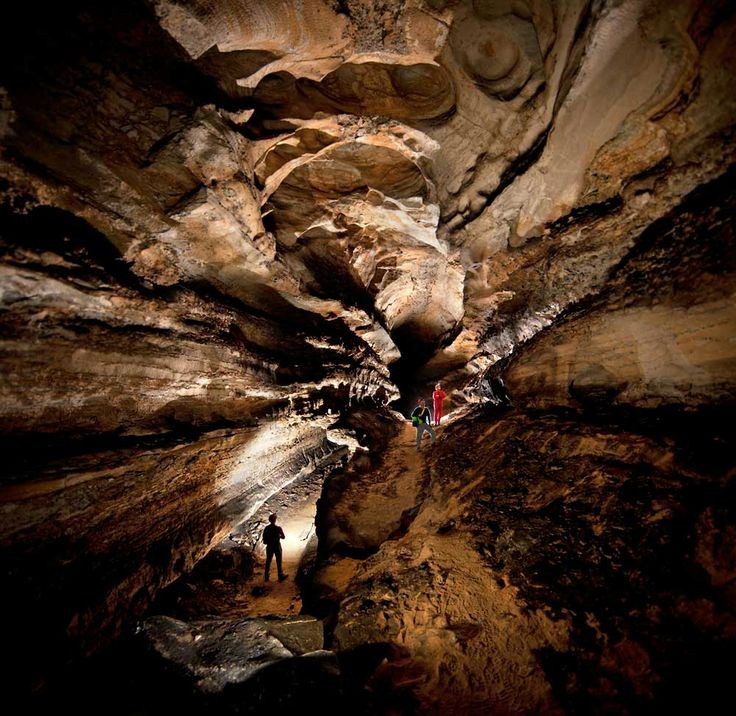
pixel 661 333
pixel 235 235
pixel 545 559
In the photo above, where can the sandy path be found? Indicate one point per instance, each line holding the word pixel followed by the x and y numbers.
pixel 370 510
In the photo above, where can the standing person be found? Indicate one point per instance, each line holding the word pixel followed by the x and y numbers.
pixel 422 420
pixel 272 536
pixel 437 397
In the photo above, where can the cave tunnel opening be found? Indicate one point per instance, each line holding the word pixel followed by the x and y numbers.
pixel 407 372
pixel 172 370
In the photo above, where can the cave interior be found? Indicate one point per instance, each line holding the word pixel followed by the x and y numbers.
pixel 240 239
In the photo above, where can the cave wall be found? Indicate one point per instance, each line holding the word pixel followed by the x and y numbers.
pixel 154 399
pixel 224 224
pixel 660 333
pixel 575 552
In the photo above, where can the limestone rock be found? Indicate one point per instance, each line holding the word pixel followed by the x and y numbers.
pixel 215 653
pixel 661 334
pixel 233 233
pixel 356 213
pixel 504 578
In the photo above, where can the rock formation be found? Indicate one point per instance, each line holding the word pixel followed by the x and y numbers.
pixel 237 236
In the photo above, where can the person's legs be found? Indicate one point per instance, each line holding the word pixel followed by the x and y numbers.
pixel 278 553
pixel 269 557
pixel 437 413
pixel 420 431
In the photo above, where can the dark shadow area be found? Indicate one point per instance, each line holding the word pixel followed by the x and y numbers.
pixel 129 678
pixel 631 548
pixel 85 254
pixel 124 37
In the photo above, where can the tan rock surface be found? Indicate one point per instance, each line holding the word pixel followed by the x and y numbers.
pixel 232 230
pixel 660 334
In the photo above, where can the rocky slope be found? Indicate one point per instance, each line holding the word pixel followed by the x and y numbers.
pixel 233 234
pixel 576 553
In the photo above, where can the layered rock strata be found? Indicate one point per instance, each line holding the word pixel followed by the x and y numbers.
pixel 561 566
pixel 574 553
pixel 228 228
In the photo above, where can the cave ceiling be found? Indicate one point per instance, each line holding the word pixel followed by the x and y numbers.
pixel 227 226
pixel 452 175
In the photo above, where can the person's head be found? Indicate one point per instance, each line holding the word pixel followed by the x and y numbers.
pixel 272 518
pixel 421 402
pixel 438 386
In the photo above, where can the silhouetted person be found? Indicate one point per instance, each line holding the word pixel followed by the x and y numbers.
pixel 437 397
pixel 272 536
pixel 421 418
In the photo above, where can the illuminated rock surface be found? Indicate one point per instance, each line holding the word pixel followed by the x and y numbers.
pixel 237 237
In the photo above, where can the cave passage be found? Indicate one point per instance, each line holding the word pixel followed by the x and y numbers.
pixel 239 240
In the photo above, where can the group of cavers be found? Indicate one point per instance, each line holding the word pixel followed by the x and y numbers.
pixel 422 419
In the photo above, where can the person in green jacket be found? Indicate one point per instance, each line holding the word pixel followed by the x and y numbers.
pixel 421 419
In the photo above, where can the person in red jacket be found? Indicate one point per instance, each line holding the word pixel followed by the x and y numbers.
pixel 437 397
